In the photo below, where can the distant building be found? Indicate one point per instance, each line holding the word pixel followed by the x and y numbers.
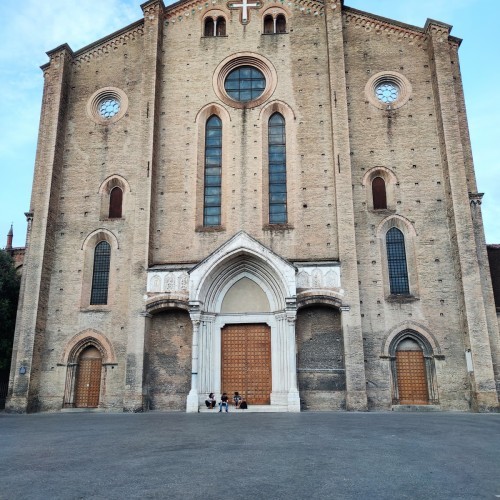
pixel 17 253
pixel 275 198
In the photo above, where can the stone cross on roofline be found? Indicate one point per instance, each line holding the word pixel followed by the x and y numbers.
pixel 244 11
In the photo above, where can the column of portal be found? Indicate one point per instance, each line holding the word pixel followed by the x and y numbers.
pixel 293 392
pixel 192 405
pixel 278 361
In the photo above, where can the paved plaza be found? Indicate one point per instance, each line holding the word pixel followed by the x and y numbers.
pixel 253 455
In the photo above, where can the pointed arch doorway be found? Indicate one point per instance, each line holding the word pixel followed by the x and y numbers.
pixel 246 362
pixel 88 378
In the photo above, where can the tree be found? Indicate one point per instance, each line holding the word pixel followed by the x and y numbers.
pixel 10 282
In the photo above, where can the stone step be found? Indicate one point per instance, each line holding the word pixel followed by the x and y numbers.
pixel 416 408
pixel 250 409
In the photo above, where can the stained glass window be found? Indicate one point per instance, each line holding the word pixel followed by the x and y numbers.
pixel 213 172
pixel 396 259
pixel 100 275
pixel 277 170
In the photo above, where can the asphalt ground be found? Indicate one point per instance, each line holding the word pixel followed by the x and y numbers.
pixel 254 455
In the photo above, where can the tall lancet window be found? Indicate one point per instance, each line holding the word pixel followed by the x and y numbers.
pixel 100 275
pixel 277 170
pixel 379 193
pixel 396 260
pixel 115 203
pixel 213 172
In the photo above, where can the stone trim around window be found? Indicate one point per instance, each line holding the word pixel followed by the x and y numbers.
pixel 392 78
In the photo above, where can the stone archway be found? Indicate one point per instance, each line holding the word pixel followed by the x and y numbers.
pixel 320 357
pixel 243 285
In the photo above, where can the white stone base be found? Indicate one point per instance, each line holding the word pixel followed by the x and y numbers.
pixel 250 409
pixel 192 403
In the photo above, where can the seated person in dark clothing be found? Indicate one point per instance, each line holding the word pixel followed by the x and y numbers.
pixel 210 402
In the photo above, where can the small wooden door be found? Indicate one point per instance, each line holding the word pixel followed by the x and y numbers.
pixel 246 362
pixel 412 380
pixel 88 379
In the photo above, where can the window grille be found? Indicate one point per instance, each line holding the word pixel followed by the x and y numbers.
pixel 396 259
pixel 277 170
pixel 100 275
pixel 213 172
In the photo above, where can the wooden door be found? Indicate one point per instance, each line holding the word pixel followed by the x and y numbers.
pixel 88 383
pixel 246 362
pixel 412 381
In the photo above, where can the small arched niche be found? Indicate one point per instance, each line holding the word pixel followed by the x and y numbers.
pixel 245 296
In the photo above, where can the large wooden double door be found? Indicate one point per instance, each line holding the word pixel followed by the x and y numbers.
pixel 246 362
pixel 88 379
pixel 412 380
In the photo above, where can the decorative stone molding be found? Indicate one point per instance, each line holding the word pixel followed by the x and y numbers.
pixel 162 281
pixel 106 46
pixel 245 59
pixel 381 26
pixel 475 199
pixel 396 79
pixel 318 276
pixel 178 12
pixel 101 96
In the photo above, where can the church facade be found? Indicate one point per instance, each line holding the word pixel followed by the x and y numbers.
pixel 274 198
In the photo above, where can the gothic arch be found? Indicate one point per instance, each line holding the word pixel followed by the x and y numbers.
pixel 430 351
pixel 242 255
pixel 427 339
pixel 70 358
pixel 288 115
pixel 111 182
pixel 98 235
pixel 166 302
pixel 88 248
pixel 84 339
pixel 327 299
pixel 211 109
pixel 410 236
pixel 391 183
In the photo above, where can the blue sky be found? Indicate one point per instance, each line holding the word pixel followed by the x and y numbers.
pixel 32 27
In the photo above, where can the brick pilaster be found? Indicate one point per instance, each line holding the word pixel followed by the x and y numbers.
pixel 351 316
pixel 453 153
pixel 151 78
pixel 32 311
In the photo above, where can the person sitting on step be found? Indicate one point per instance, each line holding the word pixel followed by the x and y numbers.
pixel 210 402
pixel 223 401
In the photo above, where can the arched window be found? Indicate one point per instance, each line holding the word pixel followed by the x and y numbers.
pixel 281 24
pixel 268 25
pixel 396 260
pixel 209 27
pixel 220 26
pixel 115 203
pixel 277 170
pixel 213 172
pixel 100 275
pixel 379 194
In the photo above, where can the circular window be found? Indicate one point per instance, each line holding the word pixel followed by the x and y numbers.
pixel 109 108
pixel 388 90
pixel 107 105
pixel 245 80
pixel 245 84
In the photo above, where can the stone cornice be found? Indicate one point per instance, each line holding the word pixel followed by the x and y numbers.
pixel 186 9
pixel 104 45
pixel 383 24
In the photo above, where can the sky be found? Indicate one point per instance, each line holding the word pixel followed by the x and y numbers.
pixel 33 27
